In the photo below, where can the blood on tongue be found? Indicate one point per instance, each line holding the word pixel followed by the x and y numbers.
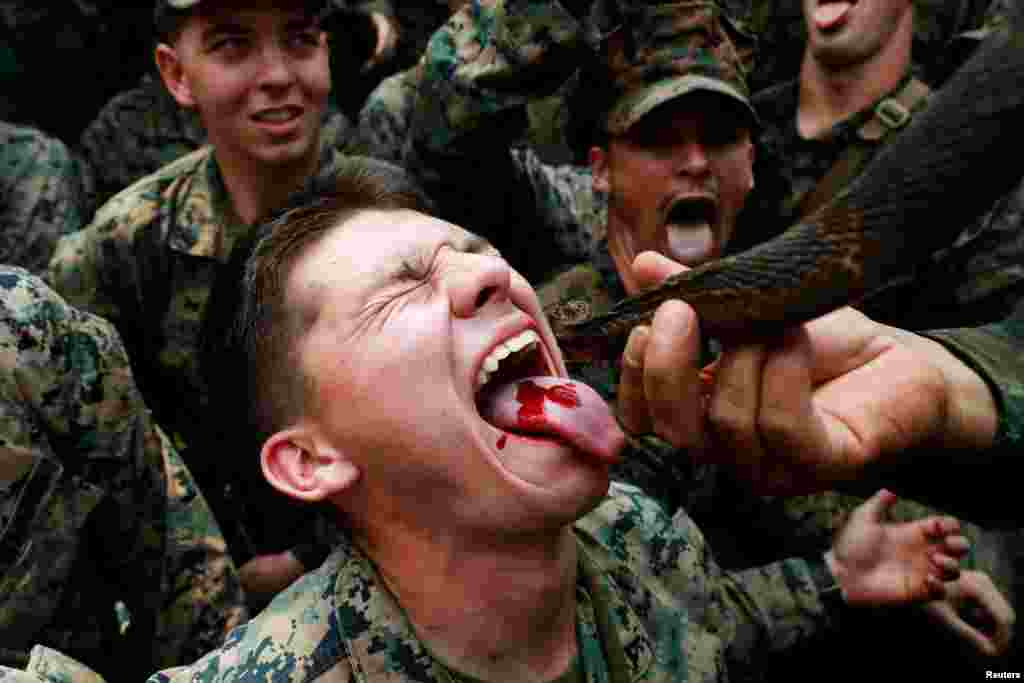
pixel 531 396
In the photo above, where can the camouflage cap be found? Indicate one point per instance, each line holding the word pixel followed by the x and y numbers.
pixel 665 51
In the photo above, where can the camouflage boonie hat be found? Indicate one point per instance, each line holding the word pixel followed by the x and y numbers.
pixel 665 51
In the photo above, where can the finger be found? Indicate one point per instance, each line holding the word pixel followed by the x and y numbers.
pixel 650 268
pixel 632 402
pixel 957 546
pixel 671 376
pixel 948 567
pixel 786 419
pixel 935 588
pixel 732 409
pixel 876 508
pixel 937 528
pixel 942 613
pixel 993 615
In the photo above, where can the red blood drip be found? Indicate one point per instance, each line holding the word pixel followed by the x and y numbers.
pixel 531 397
pixel 502 440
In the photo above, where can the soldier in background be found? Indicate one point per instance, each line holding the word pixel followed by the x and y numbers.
pixel 46 192
pixel 857 90
pixel 257 75
pixel 108 551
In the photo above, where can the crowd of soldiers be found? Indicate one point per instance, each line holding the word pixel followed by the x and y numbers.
pixel 147 436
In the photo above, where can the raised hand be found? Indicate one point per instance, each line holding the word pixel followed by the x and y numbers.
pixel 877 563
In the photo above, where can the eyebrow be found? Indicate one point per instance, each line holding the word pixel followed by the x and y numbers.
pixel 469 244
pixel 225 27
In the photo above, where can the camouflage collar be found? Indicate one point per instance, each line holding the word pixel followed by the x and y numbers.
pixel 614 646
pixel 201 220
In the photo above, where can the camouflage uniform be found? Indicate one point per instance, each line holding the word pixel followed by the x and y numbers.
pixel 109 552
pixel 652 604
pixel 976 279
pixel 148 263
pixel 45 193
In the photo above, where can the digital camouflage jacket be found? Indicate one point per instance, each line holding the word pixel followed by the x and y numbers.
pixel 108 552
pixel 652 604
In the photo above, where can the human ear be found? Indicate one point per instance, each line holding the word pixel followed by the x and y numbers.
pixel 599 169
pixel 168 62
pixel 301 467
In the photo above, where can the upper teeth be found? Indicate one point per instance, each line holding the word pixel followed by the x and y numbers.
pixel 275 115
pixel 503 351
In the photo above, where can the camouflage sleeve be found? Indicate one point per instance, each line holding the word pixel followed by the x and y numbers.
pixel 45 193
pixel 94 266
pixel 478 74
pixel 204 600
pixel 996 353
pixel 491 58
pixel 755 611
pixel 383 126
pixel 135 133
pixel 572 210
pixel 46 664
pixel 68 404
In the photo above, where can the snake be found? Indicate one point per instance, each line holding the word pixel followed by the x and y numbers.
pixel 950 164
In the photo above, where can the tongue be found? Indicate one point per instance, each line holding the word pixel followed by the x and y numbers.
pixel 561 408
pixel 831 14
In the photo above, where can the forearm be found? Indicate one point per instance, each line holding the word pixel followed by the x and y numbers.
pixel 970 468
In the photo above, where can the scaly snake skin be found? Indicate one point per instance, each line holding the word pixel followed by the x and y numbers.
pixel 951 163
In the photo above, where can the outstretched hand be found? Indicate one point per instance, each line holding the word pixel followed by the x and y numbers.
pixel 803 412
pixel 877 563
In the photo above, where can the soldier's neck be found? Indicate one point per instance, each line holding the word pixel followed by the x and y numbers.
pixel 831 94
pixel 256 190
pixel 494 613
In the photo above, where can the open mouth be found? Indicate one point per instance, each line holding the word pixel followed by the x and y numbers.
pixel 692 211
pixel 516 358
pixel 829 15
pixel 277 115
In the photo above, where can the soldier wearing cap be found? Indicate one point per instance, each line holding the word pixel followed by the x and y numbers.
pixel 256 73
pixel 671 156
pixel 143 128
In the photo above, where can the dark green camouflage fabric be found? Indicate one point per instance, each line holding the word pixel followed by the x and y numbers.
pixel 96 507
pixel 673 614
pixel 46 192
pixel 974 280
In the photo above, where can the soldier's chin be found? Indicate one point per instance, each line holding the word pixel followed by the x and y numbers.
pixel 690 243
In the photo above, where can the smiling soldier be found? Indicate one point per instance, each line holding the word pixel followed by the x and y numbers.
pixel 257 74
